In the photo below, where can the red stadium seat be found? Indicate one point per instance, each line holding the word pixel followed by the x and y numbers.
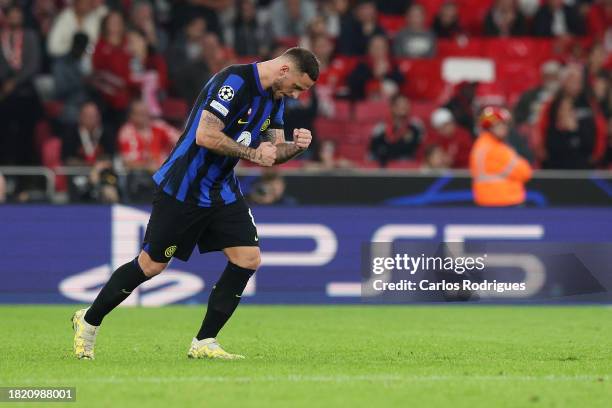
pixel 354 152
pixel 246 59
pixel 423 78
pixel 51 156
pixel 51 153
pixel 342 110
pixel 518 76
pixel 330 128
pixel 423 109
pixel 391 24
pixel 491 93
pixel 174 109
pixel 372 111
pixel 472 14
pixel 42 132
pixel 343 65
pixel 359 132
pixel 53 108
pixel 506 50
pixel 431 9
pixel 472 47
pixel 288 42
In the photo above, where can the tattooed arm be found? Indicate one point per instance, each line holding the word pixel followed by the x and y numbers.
pixel 209 135
pixel 286 151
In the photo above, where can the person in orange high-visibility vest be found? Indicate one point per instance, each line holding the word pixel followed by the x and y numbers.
pixel 498 173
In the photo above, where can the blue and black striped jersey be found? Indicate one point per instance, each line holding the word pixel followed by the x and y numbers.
pixel 192 173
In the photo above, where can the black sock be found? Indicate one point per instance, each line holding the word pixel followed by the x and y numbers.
pixel 121 283
pixel 224 299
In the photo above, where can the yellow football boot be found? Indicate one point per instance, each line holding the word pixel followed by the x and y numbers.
pixel 84 336
pixel 210 348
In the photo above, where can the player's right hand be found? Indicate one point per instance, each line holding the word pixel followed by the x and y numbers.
pixel 265 154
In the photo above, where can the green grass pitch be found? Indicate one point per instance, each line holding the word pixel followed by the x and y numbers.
pixel 321 356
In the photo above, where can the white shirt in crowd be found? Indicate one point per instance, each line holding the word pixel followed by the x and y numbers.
pixel 66 25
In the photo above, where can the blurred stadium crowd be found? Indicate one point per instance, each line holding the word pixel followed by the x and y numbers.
pixel 108 84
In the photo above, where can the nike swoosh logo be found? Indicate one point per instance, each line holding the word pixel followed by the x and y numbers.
pixel 242 122
pixel 256 238
pixel 125 291
pixel 238 296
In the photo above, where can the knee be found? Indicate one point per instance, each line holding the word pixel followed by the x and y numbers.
pixel 149 267
pixel 250 259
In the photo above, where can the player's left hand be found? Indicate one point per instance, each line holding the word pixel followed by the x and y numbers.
pixel 302 138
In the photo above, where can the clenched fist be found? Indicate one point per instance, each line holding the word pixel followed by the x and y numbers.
pixel 302 138
pixel 265 154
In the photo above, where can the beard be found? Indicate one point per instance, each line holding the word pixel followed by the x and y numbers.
pixel 276 88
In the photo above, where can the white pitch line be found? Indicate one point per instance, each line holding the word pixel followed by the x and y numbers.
pixel 322 379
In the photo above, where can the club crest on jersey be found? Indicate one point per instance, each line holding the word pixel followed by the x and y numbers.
pixel 244 138
pixel 265 125
pixel 226 93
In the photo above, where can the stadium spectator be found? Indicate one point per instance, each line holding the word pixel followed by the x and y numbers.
pixel 19 102
pixel 209 10
pixel 505 19
pixel 398 138
pixel 498 173
pixel 377 76
pixel 142 19
pixel 327 158
pixel 359 28
pixel 145 142
pixel 290 18
pixel 250 36
pixel 82 16
pixel 527 109
pixel 43 15
pixel 217 56
pixel 455 141
pixel 103 184
pixel 415 40
pixel 461 104
pixel 600 91
pixel 331 74
pixel 316 28
pixel 599 22
pixel 596 63
pixel 572 129
pixel 186 46
pixel 435 158
pixel 70 76
pixel 88 141
pixel 393 7
pixel 192 74
pixel 446 23
pixel 336 13
pixel 111 64
pixel 270 189
pixel 148 70
pixel 555 18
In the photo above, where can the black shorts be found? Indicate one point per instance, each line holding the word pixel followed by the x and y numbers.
pixel 175 228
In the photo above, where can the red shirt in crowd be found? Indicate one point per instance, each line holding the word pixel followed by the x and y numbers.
pixel 112 65
pixel 148 146
pixel 114 73
pixel 457 146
